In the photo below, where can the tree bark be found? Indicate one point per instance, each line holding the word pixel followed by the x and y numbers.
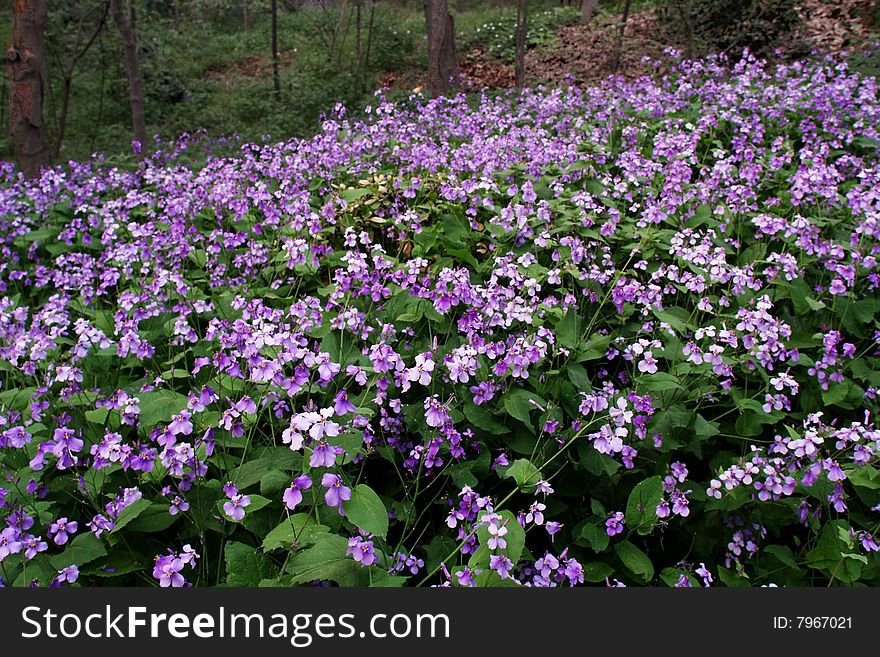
pixel 24 63
pixel 357 34
pixel 67 76
pixel 133 71
pixel 618 48
pixel 442 56
pixel 276 73
pixel 522 26
pixel 587 8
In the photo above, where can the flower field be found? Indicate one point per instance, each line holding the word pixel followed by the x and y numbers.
pixel 625 335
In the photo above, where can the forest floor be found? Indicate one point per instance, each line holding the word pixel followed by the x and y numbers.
pixel 584 53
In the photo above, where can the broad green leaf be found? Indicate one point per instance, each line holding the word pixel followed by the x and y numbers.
pixel 299 529
pixel 131 512
pixel 246 566
pixel 366 511
pixel 326 560
pixel 641 507
pixel 524 473
pixel 83 549
pixel 635 560
pixel 159 406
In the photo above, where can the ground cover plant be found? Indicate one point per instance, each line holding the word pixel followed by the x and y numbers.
pixel 623 335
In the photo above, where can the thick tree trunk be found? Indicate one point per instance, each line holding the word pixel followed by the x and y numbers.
pixel 133 71
pixel 442 57
pixel 522 27
pixel 24 63
pixel 587 9
pixel 276 73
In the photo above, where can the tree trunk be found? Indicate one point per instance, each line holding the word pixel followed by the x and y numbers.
pixel 357 34
pixel 24 63
pixel 442 57
pixel 587 8
pixel 522 26
pixel 618 48
pixel 244 6
pixel 133 71
pixel 67 77
pixel 369 34
pixel 276 73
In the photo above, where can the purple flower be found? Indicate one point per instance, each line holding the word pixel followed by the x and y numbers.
pixel 501 565
pixel 293 495
pixel 336 492
pixel 435 412
pixel 69 574
pixel 324 455
pixel 234 508
pixel 614 524
pixel 324 426
pixel 361 551
pixel 167 570
pixel 465 578
pixel 341 405
pixel 9 542
pixel 61 529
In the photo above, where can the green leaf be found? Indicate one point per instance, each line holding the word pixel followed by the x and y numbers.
pixel 273 482
pixel 159 406
pixel 579 377
pixel 300 528
pixel 483 419
pixel 82 549
pixel 367 511
pixel 863 476
pixel 836 393
pixel 784 554
pixel 636 561
pixel 515 538
pixel 131 512
pixel 326 560
pixel 246 566
pixel 641 507
pixel 676 317
pixel 705 428
pixel 154 518
pixel 568 330
pixel 252 472
pixel 596 347
pixel 97 416
pixel 597 571
pixel 524 473
pixel 592 534
pixel 519 403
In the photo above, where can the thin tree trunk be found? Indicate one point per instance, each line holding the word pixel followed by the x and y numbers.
pixel 522 26
pixel 369 34
pixel 357 33
pixel 442 57
pixel 68 76
pixel 618 47
pixel 587 9
pixel 99 115
pixel 684 9
pixel 276 73
pixel 24 64
pixel 244 6
pixel 133 71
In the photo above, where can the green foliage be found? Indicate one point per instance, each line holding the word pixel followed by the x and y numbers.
pixel 498 36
